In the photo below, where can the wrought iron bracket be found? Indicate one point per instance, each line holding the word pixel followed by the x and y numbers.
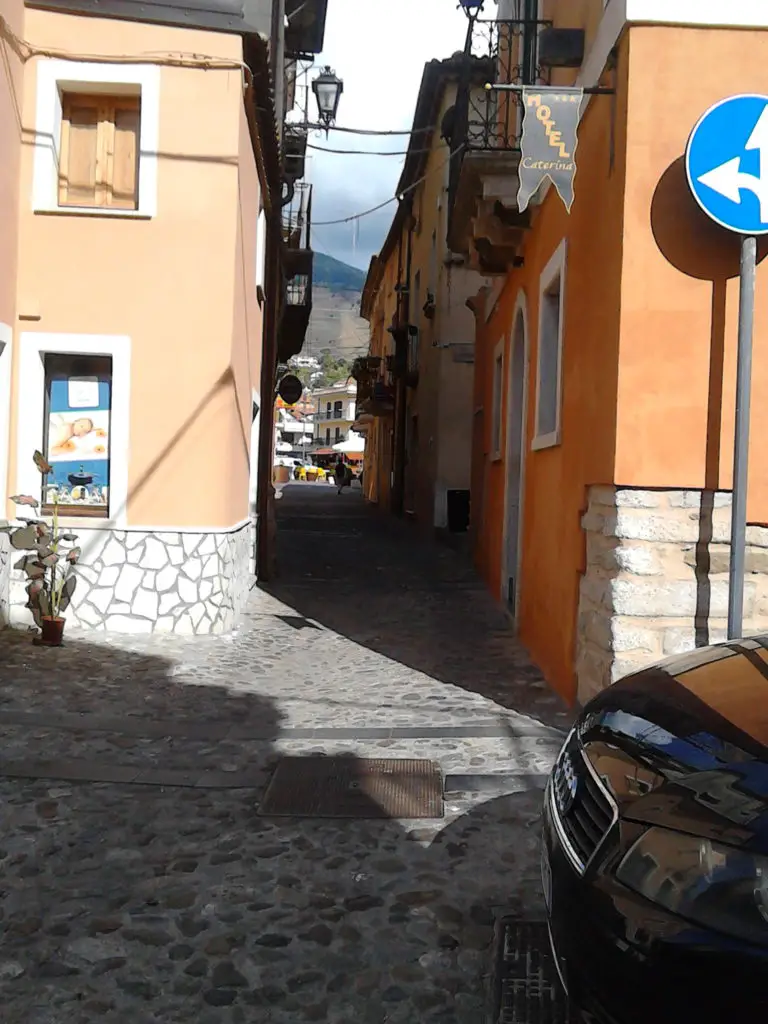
pixel 593 90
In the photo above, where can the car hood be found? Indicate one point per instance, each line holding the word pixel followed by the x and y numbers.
pixel 684 744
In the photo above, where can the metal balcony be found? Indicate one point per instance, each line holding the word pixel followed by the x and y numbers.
pixel 294 153
pixel 305 31
pixel 298 260
pixel 484 131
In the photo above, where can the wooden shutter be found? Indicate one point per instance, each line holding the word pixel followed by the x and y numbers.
pixel 124 177
pixel 78 167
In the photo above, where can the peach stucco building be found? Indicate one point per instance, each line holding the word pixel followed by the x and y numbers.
pixel 134 291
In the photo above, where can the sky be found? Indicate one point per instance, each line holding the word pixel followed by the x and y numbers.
pixel 379 51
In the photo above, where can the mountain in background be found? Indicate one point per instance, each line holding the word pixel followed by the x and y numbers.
pixel 335 275
pixel 335 327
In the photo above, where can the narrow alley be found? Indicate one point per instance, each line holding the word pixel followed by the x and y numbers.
pixel 140 881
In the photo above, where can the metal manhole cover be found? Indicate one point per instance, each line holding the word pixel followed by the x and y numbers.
pixel 527 989
pixel 350 787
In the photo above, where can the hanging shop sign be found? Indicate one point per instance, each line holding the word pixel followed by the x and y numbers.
pixel 550 136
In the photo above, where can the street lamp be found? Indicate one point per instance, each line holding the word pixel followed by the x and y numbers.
pixel 327 88
pixel 471 7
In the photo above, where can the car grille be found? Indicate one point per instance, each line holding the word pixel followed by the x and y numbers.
pixel 582 808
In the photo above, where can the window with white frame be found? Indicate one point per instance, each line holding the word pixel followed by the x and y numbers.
pixel 96 138
pixel 550 351
pixel 496 398
pixel 99 151
pixel 76 421
pixel 75 408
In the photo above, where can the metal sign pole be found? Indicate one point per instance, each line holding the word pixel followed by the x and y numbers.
pixel 741 440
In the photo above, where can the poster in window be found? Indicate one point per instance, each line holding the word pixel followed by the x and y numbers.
pixel 83 392
pixel 78 441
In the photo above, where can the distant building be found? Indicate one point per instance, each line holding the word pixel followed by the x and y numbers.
pixel 304 363
pixel 336 407
pixel 416 391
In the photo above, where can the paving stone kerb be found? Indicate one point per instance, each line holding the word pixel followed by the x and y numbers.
pixel 657 573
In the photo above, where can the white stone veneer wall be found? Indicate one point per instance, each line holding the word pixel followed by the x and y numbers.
pixel 144 582
pixel 642 596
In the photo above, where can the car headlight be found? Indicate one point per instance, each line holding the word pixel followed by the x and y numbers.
pixel 714 886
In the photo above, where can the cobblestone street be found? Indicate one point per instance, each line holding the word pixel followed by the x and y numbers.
pixel 140 883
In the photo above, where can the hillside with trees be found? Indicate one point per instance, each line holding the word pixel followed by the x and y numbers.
pixel 336 329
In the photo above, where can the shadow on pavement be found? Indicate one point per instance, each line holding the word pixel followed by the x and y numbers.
pixel 161 903
pixel 381 584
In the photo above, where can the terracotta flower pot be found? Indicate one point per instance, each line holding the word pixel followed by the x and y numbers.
pixel 53 631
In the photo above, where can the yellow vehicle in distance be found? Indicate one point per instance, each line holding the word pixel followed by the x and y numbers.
pixel 310 473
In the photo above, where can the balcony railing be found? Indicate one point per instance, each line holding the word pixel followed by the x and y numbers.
pixel 297 217
pixel 297 265
pixel 502 51
pixel 294 152
pixel 485 126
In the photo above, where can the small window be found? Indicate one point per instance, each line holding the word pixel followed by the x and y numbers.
pixel 327 435
pixel 337 435
pixel 498 384
pixel 338 410
pixel 551 305
pixel 99 164
pixel 76 431
pixel 328 410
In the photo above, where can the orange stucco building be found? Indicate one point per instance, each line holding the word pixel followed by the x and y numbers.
pixel 601 402
pixel 142 278
pixel 607 533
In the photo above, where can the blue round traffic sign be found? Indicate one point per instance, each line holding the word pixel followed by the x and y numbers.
pixel 727 164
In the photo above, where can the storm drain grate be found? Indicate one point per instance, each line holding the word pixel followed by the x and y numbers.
pixel 527 989
pixel 350 787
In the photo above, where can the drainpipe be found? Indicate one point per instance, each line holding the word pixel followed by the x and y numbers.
pixel 273 286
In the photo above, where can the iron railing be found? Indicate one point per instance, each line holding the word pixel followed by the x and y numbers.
pixel 297 230
pixel 504 51
pixel 297 217
pixel 485 120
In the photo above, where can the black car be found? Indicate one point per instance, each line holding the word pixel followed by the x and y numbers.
pixel 655 846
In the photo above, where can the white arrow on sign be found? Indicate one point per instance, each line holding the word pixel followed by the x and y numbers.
pixel 728 180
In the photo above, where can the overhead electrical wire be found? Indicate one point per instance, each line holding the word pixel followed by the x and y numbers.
pixel 367 152
pixel 25 51
pixel 363 131
pixel 396 198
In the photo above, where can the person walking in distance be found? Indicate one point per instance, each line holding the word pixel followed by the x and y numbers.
pixel 340 474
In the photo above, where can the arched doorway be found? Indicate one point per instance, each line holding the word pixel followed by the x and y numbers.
pixel 517 396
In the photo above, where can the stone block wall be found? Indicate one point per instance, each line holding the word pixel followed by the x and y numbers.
pixel 143 582
pixel 656 580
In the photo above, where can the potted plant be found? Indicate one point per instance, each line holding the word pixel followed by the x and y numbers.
pixel 50 568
